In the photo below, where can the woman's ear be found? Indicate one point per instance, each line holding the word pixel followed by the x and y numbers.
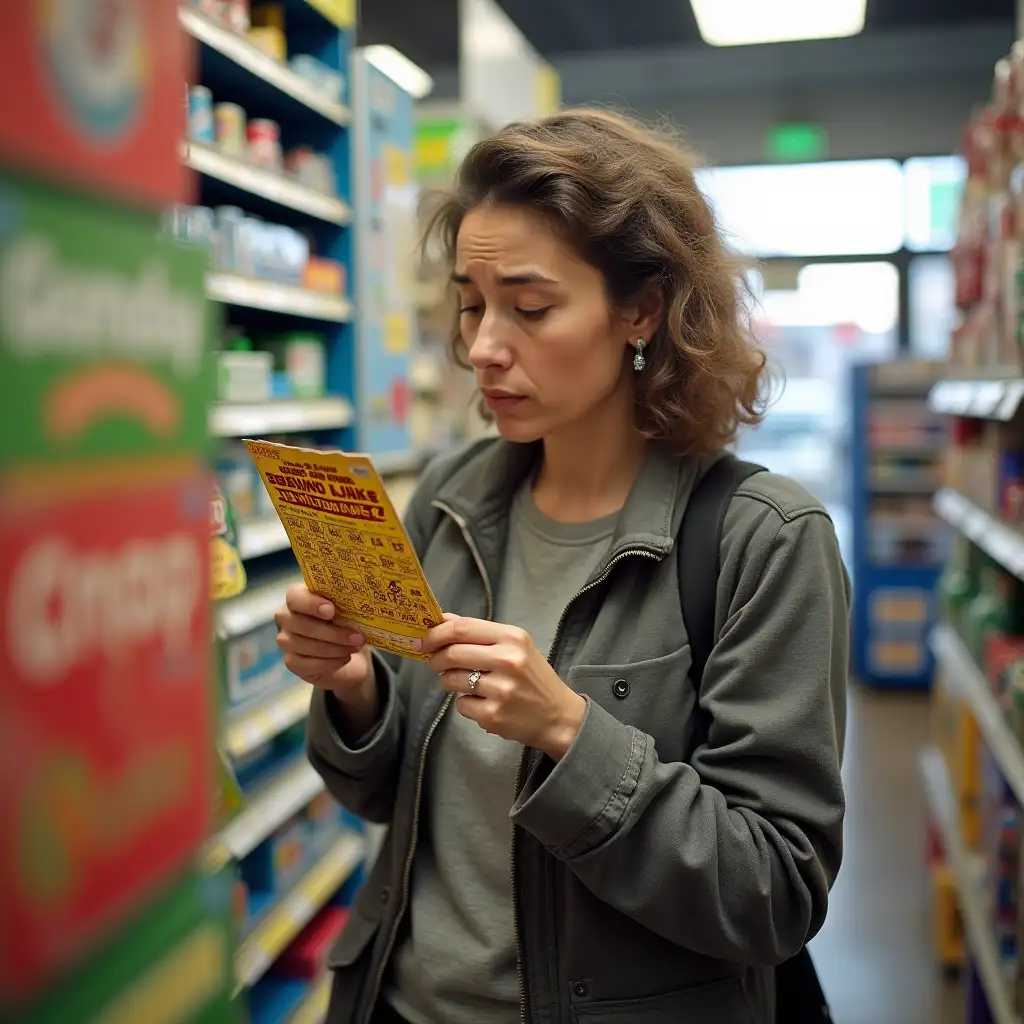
pixel 647 314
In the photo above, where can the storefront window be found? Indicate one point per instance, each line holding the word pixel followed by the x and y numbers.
pixel 932 312
pixel 933 187
pixel 826 209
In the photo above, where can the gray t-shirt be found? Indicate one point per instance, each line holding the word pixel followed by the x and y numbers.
pixel 458 963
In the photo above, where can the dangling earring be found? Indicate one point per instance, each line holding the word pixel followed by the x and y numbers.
pixel 638 360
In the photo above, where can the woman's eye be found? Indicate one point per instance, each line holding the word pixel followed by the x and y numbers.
pixel 533 314
pixel 471 310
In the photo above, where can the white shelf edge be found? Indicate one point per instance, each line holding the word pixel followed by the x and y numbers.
pixel 984 952
pixel 241 419
pixel 261 537
pixel 284 795
pixel 269 185
pixel 995 538
pixel 254 607
pixel 260 293
pixel 238 49
pixel 996 398
pixel 247 729
pixel 966 679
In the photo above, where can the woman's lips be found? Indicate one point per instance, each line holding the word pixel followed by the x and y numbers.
pixel 500 401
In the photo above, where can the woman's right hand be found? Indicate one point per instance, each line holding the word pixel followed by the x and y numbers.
pixel 316 650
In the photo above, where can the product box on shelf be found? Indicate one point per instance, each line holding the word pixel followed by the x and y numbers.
pixel 95 95
pixel 279 861
pixel 104 334
pixel 306 958
pixel 171 963
pixel 106 733
pixel 947 925
pixel 253 666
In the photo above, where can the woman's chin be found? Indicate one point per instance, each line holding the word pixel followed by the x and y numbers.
pixel 521 432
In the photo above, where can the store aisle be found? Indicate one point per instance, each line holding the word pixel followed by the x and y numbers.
pixel 875 952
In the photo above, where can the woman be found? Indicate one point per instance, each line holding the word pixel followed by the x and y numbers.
pixel 575 835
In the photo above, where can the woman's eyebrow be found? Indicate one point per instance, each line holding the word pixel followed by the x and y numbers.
pixel 528 277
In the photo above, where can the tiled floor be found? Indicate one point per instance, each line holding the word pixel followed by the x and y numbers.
pixel 875 953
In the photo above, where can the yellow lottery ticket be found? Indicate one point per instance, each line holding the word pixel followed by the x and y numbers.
pixel 349 542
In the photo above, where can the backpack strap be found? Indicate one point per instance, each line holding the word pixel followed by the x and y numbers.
pixel 697 551
pixel 799 997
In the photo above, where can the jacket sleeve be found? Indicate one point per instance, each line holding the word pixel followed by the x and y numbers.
pixel 364 778
pixel 733 854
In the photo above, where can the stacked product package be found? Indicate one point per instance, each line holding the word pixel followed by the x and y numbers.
pixel 981 592
pixel 106 696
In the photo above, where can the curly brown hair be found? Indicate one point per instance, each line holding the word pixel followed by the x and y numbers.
pixel 625 198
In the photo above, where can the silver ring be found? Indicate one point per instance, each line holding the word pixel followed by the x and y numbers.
pixel 474 679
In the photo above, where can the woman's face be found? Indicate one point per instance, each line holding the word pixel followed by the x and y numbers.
pixel 547 351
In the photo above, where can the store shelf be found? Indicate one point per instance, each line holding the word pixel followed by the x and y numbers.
pixel 261 537
pixel 313 1009
pixel 905 484
pixel 982 399
pixel 257 293
pixel 288 917
pixel 980 935
pixel 284 795
pixel 277 188
pixel 966 679
pixel 255 606
pixel 995 538
pixel 238 49
pixel 250 419
pixel 246 731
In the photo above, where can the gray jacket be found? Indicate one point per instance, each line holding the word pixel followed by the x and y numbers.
pixel 685 844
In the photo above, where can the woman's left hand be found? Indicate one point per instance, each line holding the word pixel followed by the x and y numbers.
pixel 519 695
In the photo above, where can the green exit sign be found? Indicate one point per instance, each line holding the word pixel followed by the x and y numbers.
pixel 796 142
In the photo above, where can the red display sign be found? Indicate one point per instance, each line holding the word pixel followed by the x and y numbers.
pixel 96 94
pixel 105 715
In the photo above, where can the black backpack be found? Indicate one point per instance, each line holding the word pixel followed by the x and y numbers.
pixel 799 998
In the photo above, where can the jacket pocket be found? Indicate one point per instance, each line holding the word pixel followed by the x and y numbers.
pixel 352 942
pixel 716 1002
pixel 653 695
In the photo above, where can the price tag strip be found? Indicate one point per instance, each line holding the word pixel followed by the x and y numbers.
pixel 250 729
pixel 288 917
pixel 998 540
pixel 350 543
pixel 982 399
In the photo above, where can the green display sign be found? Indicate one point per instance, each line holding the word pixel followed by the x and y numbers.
pixel 796 142
pixel 104 332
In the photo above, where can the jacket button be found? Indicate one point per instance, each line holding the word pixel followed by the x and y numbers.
pixel 580 989
pixel 385 895
pixel 620 688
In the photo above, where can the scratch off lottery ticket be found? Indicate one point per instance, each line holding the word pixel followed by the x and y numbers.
pixel 349 542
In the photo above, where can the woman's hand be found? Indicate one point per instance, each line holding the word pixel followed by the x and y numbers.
pixel 315 649
pixel 519 695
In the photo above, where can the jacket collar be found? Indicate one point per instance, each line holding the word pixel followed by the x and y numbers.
pixel 481 491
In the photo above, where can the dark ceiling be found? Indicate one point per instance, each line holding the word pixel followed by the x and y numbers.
pixel 427 31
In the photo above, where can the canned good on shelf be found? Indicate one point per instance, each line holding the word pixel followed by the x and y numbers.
pixel 200 115
pixel 229 120
pixel 264 138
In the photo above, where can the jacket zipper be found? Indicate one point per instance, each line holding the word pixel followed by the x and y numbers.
pixel 420 772
pixel 629 552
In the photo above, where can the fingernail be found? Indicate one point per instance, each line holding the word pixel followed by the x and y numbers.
pixel 417 645
pixel 356 639
pixel 326 611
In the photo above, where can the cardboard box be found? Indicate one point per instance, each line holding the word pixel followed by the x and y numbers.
pixel 170 965
pixel 95 95
pixel 104 332
pixel 106 723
